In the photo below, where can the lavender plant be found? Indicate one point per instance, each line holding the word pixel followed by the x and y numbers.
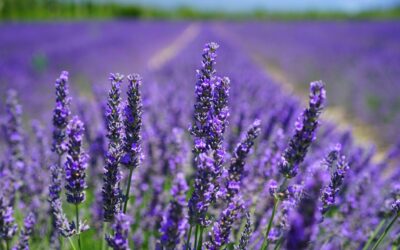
pixel 111 189
pixel 132 124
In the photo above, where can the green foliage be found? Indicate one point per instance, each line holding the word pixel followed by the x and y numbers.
pixel 69 9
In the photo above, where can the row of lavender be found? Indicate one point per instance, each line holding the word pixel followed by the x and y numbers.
pixel 358 60
pixel 31 54
pixel 248 174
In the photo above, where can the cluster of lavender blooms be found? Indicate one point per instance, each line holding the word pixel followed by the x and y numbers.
pixel 277 185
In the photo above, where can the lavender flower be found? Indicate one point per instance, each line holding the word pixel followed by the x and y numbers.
pixel 303 221
pixel 121 227
pixel 8 227
pixel 64 227
pixel 174 222
pixel 112 177
pixel 76 163
pixel 236 168
pixel 55 183
pixel 23 243
pixel 13 129
pixel 204 98
pixel 219 236
pixel 246 234
pixel 220 112
pixel 306 126
pixel 338 164
pixel 203 190
pixel 61 114
pixel 133 123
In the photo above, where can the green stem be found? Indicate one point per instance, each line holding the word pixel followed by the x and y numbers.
pixel 128 188
pixel 387 229
pixel 103 241
pixel 373 236
pixel 271 219
pixel 72 244
pixel 77 225
pixel 278 244
pixel 196 232
pixel 201 238
pixel 188 237
pixel 8 244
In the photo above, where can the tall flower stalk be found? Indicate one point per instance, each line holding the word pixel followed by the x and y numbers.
pixel 61 115
pixel 201 129
pixel 112 176
pixel 204 134
pixel 294 154
pixel 75 167
pixel 132 124
pixel 236 167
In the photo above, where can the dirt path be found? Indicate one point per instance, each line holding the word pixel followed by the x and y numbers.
pixel 363 133
pixel 159 59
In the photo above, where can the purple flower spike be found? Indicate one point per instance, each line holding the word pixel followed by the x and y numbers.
pixel 61 114
pixel 246 234
pixel 76 163
pixel 203 190
pixel 306 126
pixel 111 191
pixel 339 166
pixel 220 112
pixel 174 222
pixel 121 227
pixel 133 123
pixel 204 98
pixel 29 223
pixel 236 168
pixel 8 227
pixel 219 236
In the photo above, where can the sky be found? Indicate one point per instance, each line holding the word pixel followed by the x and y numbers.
pixel 272 5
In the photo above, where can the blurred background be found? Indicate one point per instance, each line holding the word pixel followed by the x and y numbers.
pixel 353 45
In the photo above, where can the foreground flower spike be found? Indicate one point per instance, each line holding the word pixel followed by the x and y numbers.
pixel 112 176
pixel 303 221
pixel 236 168
pixel 306 126
pixel 121 227
pixel 132 124
pixel 61 114
pixel 174 222
pixel 8 227
pixel 204 97
pixel 76 163
pixel 221 230
pixel 203 190
pixel 220 112
pixel 246 234
pixel 26 232
pixel 338 165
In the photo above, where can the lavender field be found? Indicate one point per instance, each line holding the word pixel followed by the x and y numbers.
pixel 199 135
